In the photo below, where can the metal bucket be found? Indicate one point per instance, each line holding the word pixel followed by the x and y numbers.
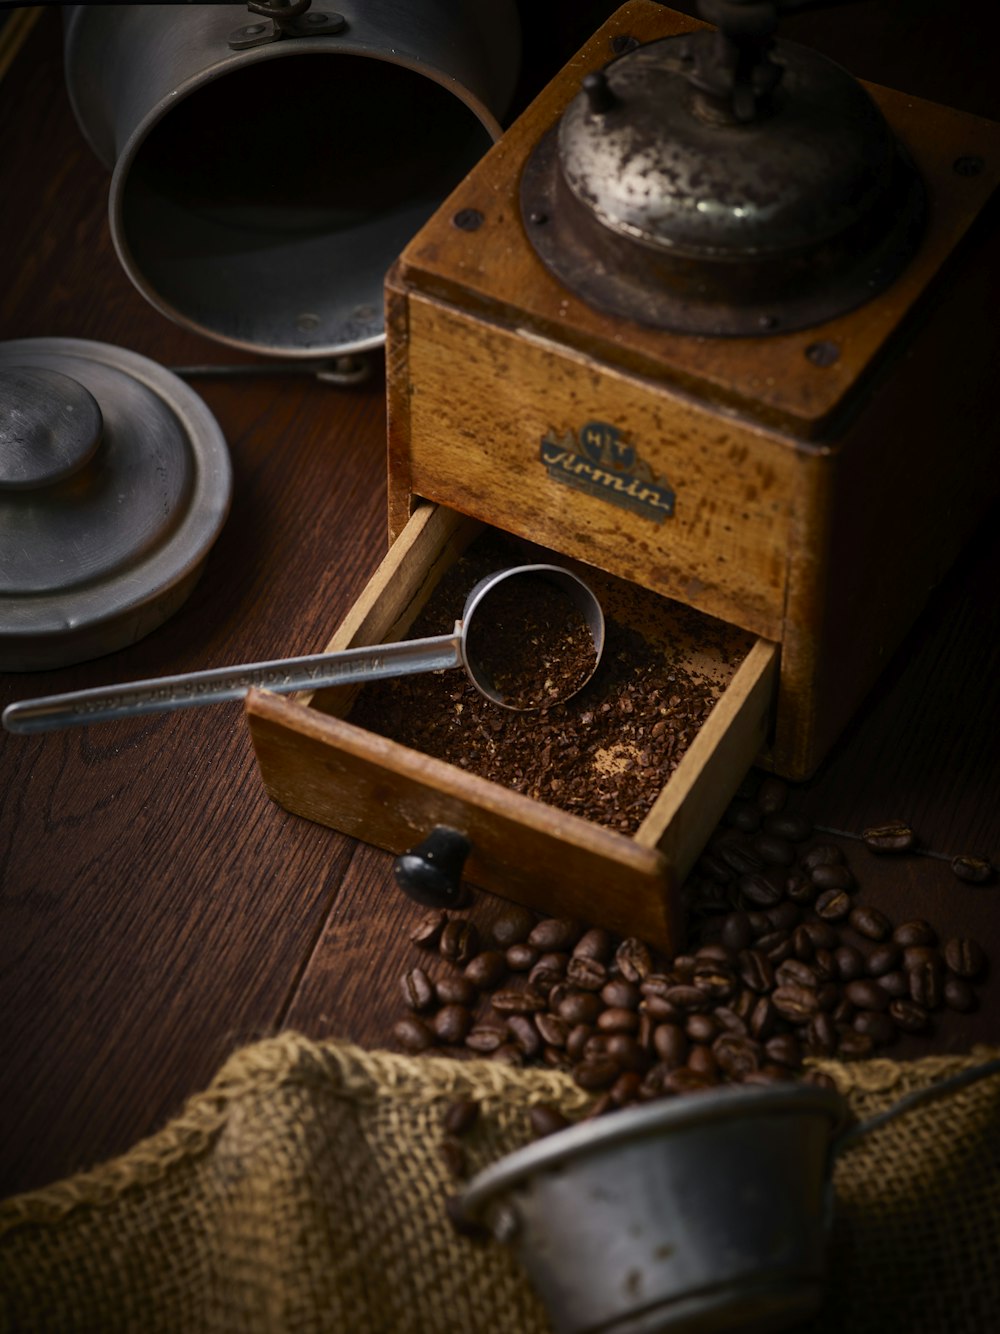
pixel 697 1215
pixel 259 195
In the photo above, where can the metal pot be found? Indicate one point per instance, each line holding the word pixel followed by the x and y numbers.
pixel 262 186
pixel 699 1215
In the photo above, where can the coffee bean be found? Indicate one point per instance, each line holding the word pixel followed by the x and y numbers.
pixel 418 991
pixel 486 970
pixel 958 995
pixel 730 1021
pixel 413 1034
pixel 545 1120
pixel 794 828
pixel 908 1016
pixel 687 998
pixel 833 877
pixel 759 923
pixel 686 1080
pixel 633 959
pixel 555 933
pixel 670 1043
pixel 594 944
pixel 893 836
pixel 896 983
pixel 661 1010
pixel 702 1028
pixel 852 1046
pixel 795 972
pixel 784 1049
pixel 512 927
pixel 777 945
pixel 739 856
pixel 625 1089
pixel 451 1024
pixel 825 966
pixel 596 1073
pixel 795 1003
pixel 485 1039
pixel 917 932
pixel 554 961
pixel 596 1046
pixel 737 932
pixel 850 963
pixel 460 1116
pixel 603 1104
pixel 455 991
pixel 821 1035
pixel 579 1007
pixel 557 995
pixel 843 1011
pixel 877 1025
pixel 869 922
pixel 763 1019
pixel 756 970
pixel 883 959
pixel 867 995
pixel 833 905
pixel 927 984
pixel 823 935
pixel 427 932
pixel 526 1036
pixel 717 980
pixel 521 957
pixel 509 1054
pixel 621 994
pixel 702 1061
pixel 459 940
pixel 799 887
pixel 625 1049
pixel 736 1056
pixel 915 955
pixel 617 1020
pixel 544 979
pixel 585 973
pixel 553 1030
pixel 965 958
pixel 517 1002
pixel 714 868
pixel 973 870
pixel 762 888
pixel 772 795
pixel 802 945
pixel 579 1035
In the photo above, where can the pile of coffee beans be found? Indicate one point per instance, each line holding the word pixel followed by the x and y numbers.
pixel 787 962
pixel 604 754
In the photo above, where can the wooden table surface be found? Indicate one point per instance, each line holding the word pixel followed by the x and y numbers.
pixel 156 909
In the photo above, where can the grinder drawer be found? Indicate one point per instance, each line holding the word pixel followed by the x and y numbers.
pixel 317 763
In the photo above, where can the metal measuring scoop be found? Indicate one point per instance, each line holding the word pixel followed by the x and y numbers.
pixel 369 663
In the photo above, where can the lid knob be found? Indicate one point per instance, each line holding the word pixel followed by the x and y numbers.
pixel 50 426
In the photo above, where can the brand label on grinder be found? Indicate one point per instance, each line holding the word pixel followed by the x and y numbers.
pixel 601 463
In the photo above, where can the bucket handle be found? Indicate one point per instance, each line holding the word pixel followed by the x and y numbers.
pixel 849 1137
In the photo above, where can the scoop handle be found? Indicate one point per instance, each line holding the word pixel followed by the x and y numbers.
pixel 165 693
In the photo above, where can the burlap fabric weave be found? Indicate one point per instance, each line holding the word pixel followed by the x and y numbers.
pixel 304 1190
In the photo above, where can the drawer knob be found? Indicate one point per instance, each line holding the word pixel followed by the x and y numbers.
pixel 431 873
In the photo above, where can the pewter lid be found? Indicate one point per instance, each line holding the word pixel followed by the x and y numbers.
pixel 114 483
pixel 660 198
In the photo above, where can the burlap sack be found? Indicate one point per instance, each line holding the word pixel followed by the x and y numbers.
pixel 304 1190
